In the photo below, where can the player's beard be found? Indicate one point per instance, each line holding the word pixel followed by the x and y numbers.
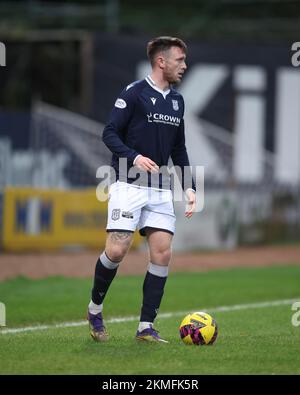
pixel 172 78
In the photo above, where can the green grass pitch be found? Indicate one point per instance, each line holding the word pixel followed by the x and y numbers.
pixel 252 340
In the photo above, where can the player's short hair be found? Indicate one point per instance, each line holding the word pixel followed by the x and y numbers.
pixel 163 43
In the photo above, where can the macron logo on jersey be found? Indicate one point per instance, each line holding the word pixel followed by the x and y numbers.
pixel 153 99
pixel 163 118
pixel 120 103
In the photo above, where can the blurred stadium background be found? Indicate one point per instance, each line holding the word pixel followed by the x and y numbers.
pixel 66 62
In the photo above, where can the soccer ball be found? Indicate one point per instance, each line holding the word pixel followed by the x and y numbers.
pixel 198 328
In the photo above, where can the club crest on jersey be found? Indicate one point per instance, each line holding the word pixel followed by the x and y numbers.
pixel 175 105
pixel 115 214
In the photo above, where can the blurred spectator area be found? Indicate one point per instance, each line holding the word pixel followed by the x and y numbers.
pixel 16 125
pixel 50 43
pixel 191 18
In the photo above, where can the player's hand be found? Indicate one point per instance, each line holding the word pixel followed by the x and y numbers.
pixel 191 204
pixel 146 164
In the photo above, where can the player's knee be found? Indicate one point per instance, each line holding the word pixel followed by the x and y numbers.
pixel 167 256
pixel 162 256
pixel 116 253
pixel 117 245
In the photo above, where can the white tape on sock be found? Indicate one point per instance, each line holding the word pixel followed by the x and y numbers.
pixel 157 270
pixel 144 325
pixel 107 262
pixel 95 308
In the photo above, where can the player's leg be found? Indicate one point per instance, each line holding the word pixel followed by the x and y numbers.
pixel 117 245
pixel 123 215
pixel 153 288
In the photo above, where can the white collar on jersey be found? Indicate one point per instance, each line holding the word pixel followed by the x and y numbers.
pixel 154 86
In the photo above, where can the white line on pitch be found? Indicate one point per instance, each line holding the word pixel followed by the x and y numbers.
pixel 222 309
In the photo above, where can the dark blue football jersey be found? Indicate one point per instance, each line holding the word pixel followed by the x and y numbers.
pixel 147 121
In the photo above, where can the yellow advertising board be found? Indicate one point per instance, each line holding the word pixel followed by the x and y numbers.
pixel 37 219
